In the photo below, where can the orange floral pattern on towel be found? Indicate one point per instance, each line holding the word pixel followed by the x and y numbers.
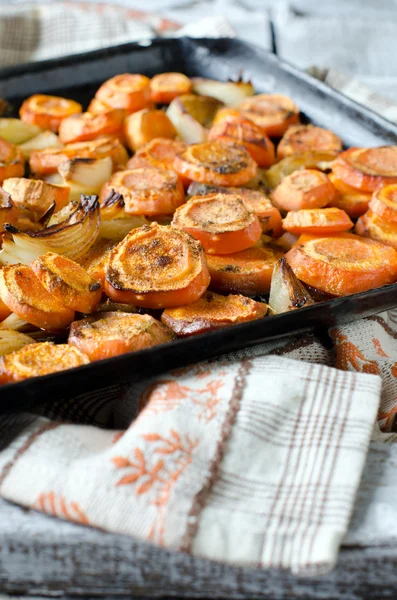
pixel 57 506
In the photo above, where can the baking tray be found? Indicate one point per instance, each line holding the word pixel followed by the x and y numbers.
pixel 79 77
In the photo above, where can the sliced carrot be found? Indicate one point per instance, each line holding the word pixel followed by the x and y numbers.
pixel 128 91
pixel 352 201
pixel 246 272
pixel 157 266
pixel 68 282
pixel 246 133
pixel 113 333
pixel 39 359
pixel 146 191
pixel 217 162
pixel 159 153
pixel 221 222
pixel 24 295
pixel 317 221
pixel 86 126
pixel 304 138
pixel 167 86
pixel 35 194
pixel 343 264
pixel 212 311
pixel 95 260
pixel 11 161
pixel 145 125
pixel 4 310
pixel 307 188
pixel 273 113
pixel 48 111
pixel 367 169
pixel 96 107
pixel 45 162
pixel 375 227
pixel 384 203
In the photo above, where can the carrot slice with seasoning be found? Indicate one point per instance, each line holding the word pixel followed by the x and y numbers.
pixel 273 113
pixel 211 312
pixel 145 125
pixel 48 111
pixel 86 126
pixel 129 91
pixel 217 163
pixel 307 188
pixel 246 272
pixel 246 133
pixel 221 222
pixel 317 221
pixel 11 161
pixel 304 138
pixel 167 86
pixel 384 203
pixel 367 169
pixel 343 264
pixel 159 153
pixel 113 333
pixel 146 191
pixel 372 226
pixel 95 260
pixel 43 358
pixel 157 266
pixel 68 282
pixel 24 295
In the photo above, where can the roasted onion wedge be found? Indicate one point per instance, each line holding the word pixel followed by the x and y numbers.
pixel 43 141
pixel 286 291
pixel 17 131
pixel 11 340
pixel 85 175
pixel 115 222
pixel 192 116
pixel 231 93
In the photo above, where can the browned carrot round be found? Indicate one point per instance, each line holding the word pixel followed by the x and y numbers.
pixel 24 295
pixel 113 333
pixel 86 126
pixel 304 138
pixel 221 222
pixel 246 272
pixel 157 266
pixel 211 312
pixel 384 203
pixel 273 113
pixel 145 125
pixel 167 86
pixel 48 111
pixel 146 191
pixel 375 227
pixel 217 163
pixel 159 153
pixel 352 201
pixel 128 91
pixel 367 169
pixel 11 161
pixel 68 282
pixel 307 188
pixel 317 221
pixel 343 264
pixel 95 260
pixel 43 358
pixel 96 107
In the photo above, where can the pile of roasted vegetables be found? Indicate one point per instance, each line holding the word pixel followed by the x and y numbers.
pixel 175 206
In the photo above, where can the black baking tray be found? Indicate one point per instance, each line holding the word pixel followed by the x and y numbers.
pixel 79 76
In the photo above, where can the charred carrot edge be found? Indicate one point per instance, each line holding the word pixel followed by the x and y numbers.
pixel 317 221
pixel 48 111
pixel 307 188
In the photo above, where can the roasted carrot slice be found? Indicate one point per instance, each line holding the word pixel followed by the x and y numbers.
pixel 159 153
pixel 95 260
pixel 24 295
pixel 35 194
pixel 45 162
pixel 343 264
pixel 217 162
pixel 145 125
pixel 212 311
pixel 97 107
pixel 221 222
pixel 4 310
pixel 113 333
pixel 304 138
pixel 128 91
pixel 307 188
pixel 86 126
pixel 384 203
pixel 43 358
pixel 246 133
pixel 157 266
pixel 146 191
pixel 246 272
pixel 167 86
pixel 48 111
pixel 68 282
pixel 273 113
pixel 317 221
pixel 11 161
pixel 367 169
pixel 352 201
pixel 375 227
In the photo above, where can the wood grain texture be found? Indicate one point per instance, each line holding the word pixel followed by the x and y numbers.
pixel 40 555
